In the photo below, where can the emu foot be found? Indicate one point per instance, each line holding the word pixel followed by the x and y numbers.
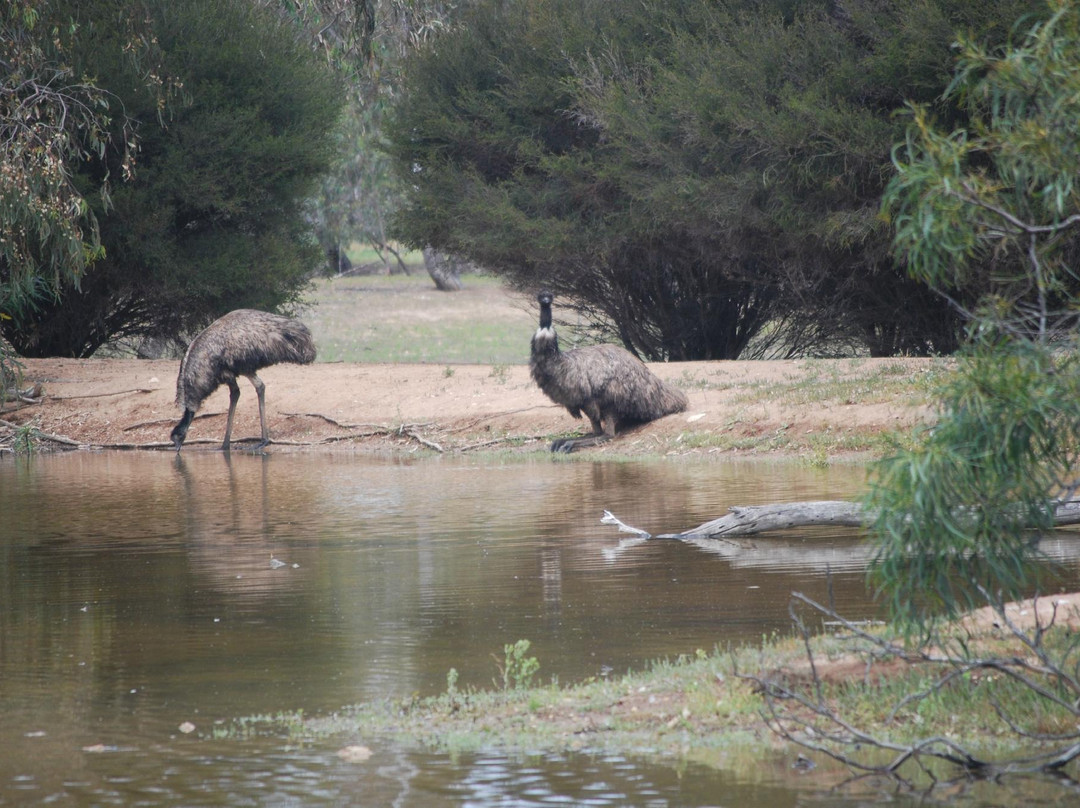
pixel 563 445
pixel 567 445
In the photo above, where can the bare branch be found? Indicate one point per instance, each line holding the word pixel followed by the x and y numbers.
pixel 803 714
pixel 971 197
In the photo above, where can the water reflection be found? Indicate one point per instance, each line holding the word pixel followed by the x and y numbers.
pixel 139 591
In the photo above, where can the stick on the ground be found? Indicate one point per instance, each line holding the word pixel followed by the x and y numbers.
pixel 43 435
pixel 105 395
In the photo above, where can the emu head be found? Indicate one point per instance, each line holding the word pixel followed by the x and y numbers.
pixel 180 430
pixel 545 342
pixel 545 297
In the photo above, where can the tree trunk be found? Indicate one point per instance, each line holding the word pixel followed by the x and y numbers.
pixel 444 270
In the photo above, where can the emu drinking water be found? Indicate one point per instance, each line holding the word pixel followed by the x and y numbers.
pixel 609 384
pixel 237 344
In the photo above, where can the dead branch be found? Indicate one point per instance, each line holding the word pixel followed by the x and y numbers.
pixel 326 418
pixel 158 421
pixel 43 435
pixel 804 715
pixel 493 441
pixel 403 430
pixel 155 422
pixel 409 430
pixel 421 440
pixel 491 415
pixel 21 398
pixel 106 395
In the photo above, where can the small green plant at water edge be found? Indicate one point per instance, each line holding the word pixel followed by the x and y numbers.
pixel 448 372
pixel 24 441
pixel 10 370
pixel 255 726
pixel 517 670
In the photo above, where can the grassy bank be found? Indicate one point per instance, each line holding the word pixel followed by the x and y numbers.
pixel 710 708
pixel 815 385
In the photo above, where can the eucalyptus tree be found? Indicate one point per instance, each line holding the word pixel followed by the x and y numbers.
pixel 991 206
pixel 994 205
pixel 214 217
pixel 53 118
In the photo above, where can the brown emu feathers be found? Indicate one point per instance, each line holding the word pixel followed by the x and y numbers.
pixel 237 344
pixel 611 386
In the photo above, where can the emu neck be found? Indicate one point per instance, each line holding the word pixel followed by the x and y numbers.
pixel 545 344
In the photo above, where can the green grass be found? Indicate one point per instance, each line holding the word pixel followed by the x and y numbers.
pixel 481 343
pixel 403 318
pixel 820 444
pixel 829 382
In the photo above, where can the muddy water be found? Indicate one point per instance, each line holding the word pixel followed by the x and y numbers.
pixel 141 591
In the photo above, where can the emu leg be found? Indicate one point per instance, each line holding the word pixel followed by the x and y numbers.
pixel 234 396
pixel 603 431
pixel 260 391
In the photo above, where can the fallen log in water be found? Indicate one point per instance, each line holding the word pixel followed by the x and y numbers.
pixel 749 520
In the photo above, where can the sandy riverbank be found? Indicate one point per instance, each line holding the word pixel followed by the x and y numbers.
pixel 766 406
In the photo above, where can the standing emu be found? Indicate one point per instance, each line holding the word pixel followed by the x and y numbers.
pixel 607 383
pixel 237 344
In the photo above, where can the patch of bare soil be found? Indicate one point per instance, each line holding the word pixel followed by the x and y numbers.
pixel 407 407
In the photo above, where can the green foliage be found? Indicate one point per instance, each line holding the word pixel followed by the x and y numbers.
pixel 10 369
pixel 214 219
pixel 517 670
pixel 25 440
pixel 954 515
pixel 995 206
pixel 991 208
pixel 52 119
pixel 686 172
